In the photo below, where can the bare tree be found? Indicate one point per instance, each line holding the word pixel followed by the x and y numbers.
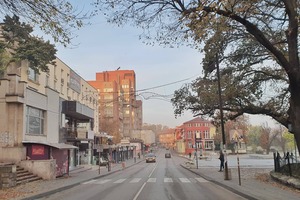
pixel 255 41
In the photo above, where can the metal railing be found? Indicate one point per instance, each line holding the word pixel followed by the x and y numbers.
pixel 287 164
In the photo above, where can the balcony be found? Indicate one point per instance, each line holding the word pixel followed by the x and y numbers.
pixel 77 110
pixel 76 134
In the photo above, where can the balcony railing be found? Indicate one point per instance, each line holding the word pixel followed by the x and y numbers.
pixel 78 133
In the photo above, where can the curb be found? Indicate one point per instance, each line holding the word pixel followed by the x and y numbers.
pixel 220 184
pixel 285 180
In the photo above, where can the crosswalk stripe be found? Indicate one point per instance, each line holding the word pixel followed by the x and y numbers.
pixel 120 180
pixel 103 181
pixel 168 180
pixel 201 180
pixel 89 182
pixel 151 180
pixel 184 180
pixel 135 180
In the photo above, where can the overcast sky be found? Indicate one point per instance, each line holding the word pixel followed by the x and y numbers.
pixel 105 47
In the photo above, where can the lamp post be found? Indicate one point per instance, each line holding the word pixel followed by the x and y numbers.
pixel 221 117
pixel 196 150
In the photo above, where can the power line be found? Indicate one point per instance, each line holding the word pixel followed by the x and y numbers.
pixel 165 84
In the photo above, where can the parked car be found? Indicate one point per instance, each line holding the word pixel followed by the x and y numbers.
pixel 151 157
pixel 167 155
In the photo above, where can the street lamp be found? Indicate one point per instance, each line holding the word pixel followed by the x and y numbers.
pixel 196 153
pixel 221 117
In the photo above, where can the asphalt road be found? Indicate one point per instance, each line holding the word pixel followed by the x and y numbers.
pixel 165 179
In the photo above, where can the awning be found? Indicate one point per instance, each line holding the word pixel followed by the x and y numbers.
pixel 55 145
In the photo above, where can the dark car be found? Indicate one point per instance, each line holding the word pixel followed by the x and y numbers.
pixel 150 158
pixel 167 155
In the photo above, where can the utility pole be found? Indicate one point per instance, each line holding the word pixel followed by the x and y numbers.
pixel 221 116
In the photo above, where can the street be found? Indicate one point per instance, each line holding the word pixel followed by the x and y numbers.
pixel 165 179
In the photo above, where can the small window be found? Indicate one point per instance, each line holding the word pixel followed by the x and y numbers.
pixel 32 75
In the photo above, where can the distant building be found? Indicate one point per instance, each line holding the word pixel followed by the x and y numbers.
pixel 119 111
pixel 167 138
pixel 198 133
pixel 179 140
pixel 147 136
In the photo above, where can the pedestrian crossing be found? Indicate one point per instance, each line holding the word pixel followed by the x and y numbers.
pixel 148 180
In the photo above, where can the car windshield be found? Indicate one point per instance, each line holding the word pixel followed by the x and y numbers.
pixel 150 155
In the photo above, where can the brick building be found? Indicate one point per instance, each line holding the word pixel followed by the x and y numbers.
pixel 119 111
pixel 200 132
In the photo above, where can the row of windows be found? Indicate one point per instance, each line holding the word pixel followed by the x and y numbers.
pixel 198 124
pixel 33 76
pixel 198 134
pixel 207 145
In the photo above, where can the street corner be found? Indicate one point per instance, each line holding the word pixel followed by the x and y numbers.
pixel 286 180
pixel 189 164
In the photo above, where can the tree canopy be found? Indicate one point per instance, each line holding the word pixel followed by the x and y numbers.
pixel 18 44
pixel 57 18
pixel 256 43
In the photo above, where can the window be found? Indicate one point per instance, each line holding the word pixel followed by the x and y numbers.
pixel 189 136
pixel 34 121
pixel 32 75
pixel 206 134
pixel 47 81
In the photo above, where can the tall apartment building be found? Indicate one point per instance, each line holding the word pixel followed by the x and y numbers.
pixel 48 119
pixel 119 111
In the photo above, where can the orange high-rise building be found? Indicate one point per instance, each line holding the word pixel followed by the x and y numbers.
pixel 119 111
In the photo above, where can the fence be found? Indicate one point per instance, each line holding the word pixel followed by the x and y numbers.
pixel 287 164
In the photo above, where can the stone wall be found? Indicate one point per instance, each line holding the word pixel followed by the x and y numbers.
pixel 8 176
pixel 45 169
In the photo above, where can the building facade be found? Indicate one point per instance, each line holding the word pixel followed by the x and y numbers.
pixel 48 119
pixel 179 140
pixel 167 138
pixel 120 112
pixel 198 133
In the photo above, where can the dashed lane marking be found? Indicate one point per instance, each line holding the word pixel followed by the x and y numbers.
pixel 168 180
pixel 135 180
pixel 184 180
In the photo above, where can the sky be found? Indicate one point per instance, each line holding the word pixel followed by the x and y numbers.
pixel 106 47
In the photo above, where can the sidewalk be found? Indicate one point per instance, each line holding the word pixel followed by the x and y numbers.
pixel 256 183
pixel 39 189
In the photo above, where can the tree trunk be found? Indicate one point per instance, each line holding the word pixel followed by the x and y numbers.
pixel 295 111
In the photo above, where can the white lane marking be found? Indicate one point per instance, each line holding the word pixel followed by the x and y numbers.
pixel 168 180
pixel 139 192
pixel 103 181
pixel 152 170
pixel 151 180
pixel 201 180
pixel 184 180
pixel 120 180
pixel 89 182
pixel 135 180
